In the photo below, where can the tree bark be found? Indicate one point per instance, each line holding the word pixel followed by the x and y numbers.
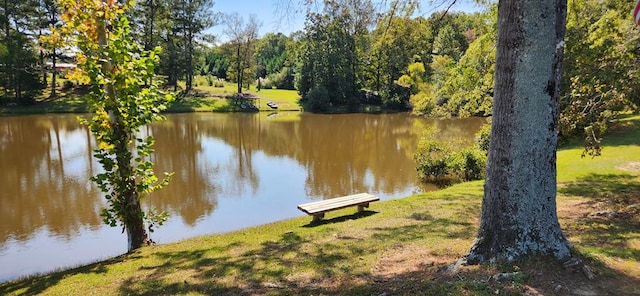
pixel 238 68
pixel 53 74
pixel 519 215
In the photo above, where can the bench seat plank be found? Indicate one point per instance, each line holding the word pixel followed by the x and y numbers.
pixel 320 207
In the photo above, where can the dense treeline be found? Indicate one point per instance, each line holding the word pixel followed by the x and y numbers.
pixel 600 75
pixel 350 54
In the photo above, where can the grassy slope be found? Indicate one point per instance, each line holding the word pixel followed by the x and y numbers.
pixel 399 247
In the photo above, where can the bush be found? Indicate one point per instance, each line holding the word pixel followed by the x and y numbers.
pixel 68 84
pixel 317 99
pixel 218 84
pixel 469 164
pixel 210 80
pixel 283 79
pixel 266 83
pixel 432 159
pixel 483 137
pixel 437 162
pixel 423 103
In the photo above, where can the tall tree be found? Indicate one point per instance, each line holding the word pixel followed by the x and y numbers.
pixel 398 40
pixel 271 53
pixel 330 55
pixel 118 69
pixel 217 62
pixel 243 38
pixel 519 215
pixel 602 66
pixel 18 61
pixel 275 59
pixel 191 18
pixel 50 41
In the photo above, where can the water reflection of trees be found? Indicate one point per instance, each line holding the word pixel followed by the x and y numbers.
pixel 191 194
pixel 46 162
pixel 44 186
pixel 343 154
pixel 355 153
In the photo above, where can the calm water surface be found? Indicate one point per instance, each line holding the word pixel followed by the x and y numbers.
pixel 231 171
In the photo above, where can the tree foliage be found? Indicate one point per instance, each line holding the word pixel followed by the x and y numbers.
pixel 243 37
pixel 461 82
pixel 330 53
pixel 178 26
pixel 18 58
pixel 274 60
pixel 49 42
pixel 602 68
pixel 600 81
pixel 117 71
pixel 398 40
pixel 445 162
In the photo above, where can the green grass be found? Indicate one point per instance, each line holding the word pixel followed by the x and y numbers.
pixel 209 98
pixel 346 246
pixel 202 98
pixel 620 147
pixel 398 247
pixel 67 101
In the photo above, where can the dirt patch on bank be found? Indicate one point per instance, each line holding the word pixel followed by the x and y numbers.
pixel 633 166
pixel 412 269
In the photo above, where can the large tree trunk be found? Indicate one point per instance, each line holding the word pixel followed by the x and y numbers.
pixel 519 206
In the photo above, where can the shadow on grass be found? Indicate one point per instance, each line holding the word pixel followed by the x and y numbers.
pixel 445 228
pixel 38 284
pixel 624 131
pixel 357 215
pixel 190 103
pixel 255 271
pixel 615 218
pixel 614 190
pixel 325 262
pixel 262 272
pixel 336 258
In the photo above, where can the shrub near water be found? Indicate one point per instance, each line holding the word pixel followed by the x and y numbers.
pixel 433 159
pixel 436 161
pixel 469 164
pixel 317 99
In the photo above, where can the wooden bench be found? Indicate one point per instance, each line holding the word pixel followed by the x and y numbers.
pixel 318 208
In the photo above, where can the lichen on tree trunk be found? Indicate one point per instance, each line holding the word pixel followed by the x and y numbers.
pixel 519 216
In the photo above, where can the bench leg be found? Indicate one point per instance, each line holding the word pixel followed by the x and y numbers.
pixel 361 207
pixel 318 217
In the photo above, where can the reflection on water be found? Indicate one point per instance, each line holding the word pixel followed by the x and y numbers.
pixel 231 171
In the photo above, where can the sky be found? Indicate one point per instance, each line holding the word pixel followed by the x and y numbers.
pixel 273 21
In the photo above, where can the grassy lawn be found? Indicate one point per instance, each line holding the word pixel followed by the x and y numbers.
pixel 397 247
pixel 202 98
pixel 205 98
pixel 66 101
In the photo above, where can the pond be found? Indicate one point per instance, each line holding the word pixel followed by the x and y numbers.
pixel 232 171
